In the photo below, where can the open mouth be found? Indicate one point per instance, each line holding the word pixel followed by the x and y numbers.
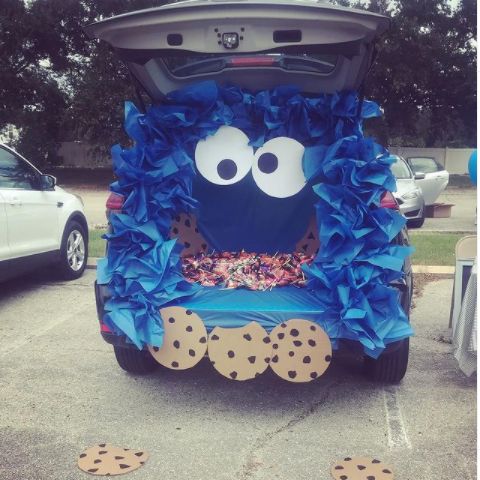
pixel 250 270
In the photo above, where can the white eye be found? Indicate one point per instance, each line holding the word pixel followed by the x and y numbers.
pixel 224 158
pixel 278 169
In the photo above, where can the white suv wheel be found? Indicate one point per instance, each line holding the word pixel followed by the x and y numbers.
pixel 75 250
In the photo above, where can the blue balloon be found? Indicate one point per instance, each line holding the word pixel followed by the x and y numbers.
pixel 472 167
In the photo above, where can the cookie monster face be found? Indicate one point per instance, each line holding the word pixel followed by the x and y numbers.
pixel 255 200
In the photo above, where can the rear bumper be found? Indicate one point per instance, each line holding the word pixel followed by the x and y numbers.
pixel 412 209
pixel 102 295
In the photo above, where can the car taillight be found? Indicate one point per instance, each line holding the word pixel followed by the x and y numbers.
pixel 114 201
pixel 257 61
pixel 104 328
pixel 388 201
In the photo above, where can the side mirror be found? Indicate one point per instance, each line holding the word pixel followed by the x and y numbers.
pixel 47 182
pixel 419 176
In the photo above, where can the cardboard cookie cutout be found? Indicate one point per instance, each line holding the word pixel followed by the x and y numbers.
pixel 185 228
pixel 301 350
pixel 106 459
pixel 184 339
pixel 361 468
pixel 240 353
pixel 309 243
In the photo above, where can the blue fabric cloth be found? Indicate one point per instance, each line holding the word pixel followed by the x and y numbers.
pixel 232 308
pixel 237 307
pixel 242 217
pixel 347 175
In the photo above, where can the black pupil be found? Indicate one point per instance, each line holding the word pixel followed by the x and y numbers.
pixel 268 162
pixel 227 169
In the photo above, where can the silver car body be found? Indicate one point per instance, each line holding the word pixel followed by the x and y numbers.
pixel 408 195
pixel 436 177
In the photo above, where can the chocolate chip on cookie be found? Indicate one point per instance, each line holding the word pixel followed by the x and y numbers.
pixel 302 350
pixel 184 228
pixel 184 339
pixel 108 460
pixel 361 468
pixel 239 353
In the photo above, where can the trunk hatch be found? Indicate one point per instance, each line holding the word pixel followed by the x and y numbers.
pixel 319 47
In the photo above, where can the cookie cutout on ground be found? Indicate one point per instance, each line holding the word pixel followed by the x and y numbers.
pixel 240 353
pixel 361 468
pixel 185 229
pixel 106 459
pixel 309 243
pixel 184 339
pixel 301 350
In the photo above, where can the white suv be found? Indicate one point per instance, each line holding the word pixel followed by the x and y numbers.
pixel 40 223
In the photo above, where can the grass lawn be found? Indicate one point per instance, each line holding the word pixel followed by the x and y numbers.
pixel 434 248
pixel 96 245
pixel 430 248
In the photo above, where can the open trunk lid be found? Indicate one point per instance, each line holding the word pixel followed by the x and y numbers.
pixel 256 44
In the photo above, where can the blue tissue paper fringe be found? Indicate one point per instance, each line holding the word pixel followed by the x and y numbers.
pixel 357 259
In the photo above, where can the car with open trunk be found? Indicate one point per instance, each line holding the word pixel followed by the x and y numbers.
pixel 228 159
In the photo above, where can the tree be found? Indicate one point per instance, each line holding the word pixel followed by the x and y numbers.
pixel 425 74
pixel 29 97
pixel 56 84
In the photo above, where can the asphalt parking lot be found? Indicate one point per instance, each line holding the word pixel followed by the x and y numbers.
pixel 61 391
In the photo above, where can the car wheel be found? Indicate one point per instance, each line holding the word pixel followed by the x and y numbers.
pixel 389 367
pixel 73 251
pixel 135 361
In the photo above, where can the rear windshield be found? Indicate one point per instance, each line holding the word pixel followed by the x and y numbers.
pixel 401 170
pixel 185 66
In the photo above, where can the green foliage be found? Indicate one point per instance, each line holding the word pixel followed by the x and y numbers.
pixel 57 85
pixel 425 75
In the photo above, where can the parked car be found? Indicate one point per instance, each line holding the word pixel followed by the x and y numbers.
pixel 40 223
pixel 409 195
pixel 256 45
pixel 435 179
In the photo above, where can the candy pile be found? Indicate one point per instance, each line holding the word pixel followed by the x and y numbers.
pixel 248 270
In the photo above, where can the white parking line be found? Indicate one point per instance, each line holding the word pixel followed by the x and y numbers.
pixel 397 433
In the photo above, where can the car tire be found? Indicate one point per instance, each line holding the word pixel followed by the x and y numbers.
pixel 71 265
pixel 135 361
pixel 390 367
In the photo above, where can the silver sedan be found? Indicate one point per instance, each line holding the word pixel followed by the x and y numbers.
pixel 409 195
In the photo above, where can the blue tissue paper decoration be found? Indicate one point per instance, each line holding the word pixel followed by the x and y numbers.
pixel 348 173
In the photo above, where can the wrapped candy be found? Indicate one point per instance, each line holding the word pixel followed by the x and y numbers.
pixel 246 270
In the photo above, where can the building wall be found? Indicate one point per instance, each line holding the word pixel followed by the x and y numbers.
pixel 79 155
pixel 455 160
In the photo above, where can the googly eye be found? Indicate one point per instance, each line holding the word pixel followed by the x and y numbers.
pixel 224 158
pixel 278 169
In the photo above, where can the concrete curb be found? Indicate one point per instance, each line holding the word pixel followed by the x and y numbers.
pixel 436 270
pixel 92 263
pixel 433 230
